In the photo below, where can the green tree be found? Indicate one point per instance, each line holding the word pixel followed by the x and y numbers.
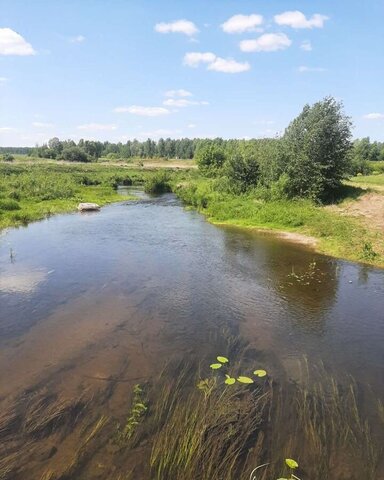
pixel 318 142
pixel 210 158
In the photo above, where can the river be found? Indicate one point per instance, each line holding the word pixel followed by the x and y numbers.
pixel 93 303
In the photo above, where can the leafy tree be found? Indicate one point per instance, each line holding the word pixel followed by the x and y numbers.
pixel 318 143
pixel 74 154
pixel 243 171
pixel 210 158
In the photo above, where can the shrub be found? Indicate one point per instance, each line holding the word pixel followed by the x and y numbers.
pixel 9 204
pixel 158 183
pixel 7 157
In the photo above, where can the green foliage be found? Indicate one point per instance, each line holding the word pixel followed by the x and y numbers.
pixel 260 373
pixel 243 171
pixel 243 379
pixel 318 143
pixel 135 416
pixel 222 359
pixel 7 157
pixel 74 154
pixel 210 158
pixel 9 205
pixel 158 183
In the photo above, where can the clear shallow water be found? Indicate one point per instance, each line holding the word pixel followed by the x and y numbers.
pixel 117 293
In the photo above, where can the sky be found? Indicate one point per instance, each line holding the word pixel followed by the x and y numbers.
pixel 123 69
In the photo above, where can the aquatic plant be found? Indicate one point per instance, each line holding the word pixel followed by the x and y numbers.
pixel 134 417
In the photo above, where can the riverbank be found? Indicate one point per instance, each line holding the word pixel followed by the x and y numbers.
pixel 31 192
pixel 329 232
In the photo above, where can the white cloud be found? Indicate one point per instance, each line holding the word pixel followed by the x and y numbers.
pixel 178 93
pixel 182 102
pixel 193 59
pixel 179 26
pixel 225 65
pixel 192 125
pixel 12 43
pixel 77 39
pixel 228 65
pixel 297 19
pixel 242 23
pixel 269 42
pixel 3 80
pixel 374 116
pixel 306 46
pixel 143 111
pixel 7 129
pixel 304 69
pixel 97 127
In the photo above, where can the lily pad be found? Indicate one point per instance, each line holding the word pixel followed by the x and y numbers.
pixel 260 373
pixel 230 380
pixel 245 380
pixel 222 359
pixel 215 366
pixel 291 463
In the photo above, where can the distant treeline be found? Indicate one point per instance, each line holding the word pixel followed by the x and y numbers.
pixel 362 150
pixel 16 150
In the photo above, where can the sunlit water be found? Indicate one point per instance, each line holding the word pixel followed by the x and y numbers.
pixel 117 293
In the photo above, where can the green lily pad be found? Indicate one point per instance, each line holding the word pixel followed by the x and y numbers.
pixel 215 366
pixel 291 463
pixel 260 373
pixel 222 359
pixel 245 380
pixel 230 380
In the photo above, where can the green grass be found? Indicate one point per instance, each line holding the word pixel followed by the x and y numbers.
pixel 337 235
pixel 373 180
pixel 31 192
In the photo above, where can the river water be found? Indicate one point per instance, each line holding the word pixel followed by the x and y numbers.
pixel 86 299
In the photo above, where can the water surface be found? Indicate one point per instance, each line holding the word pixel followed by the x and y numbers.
pixel 101 300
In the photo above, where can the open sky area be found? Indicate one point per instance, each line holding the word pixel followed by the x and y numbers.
pixel 122 69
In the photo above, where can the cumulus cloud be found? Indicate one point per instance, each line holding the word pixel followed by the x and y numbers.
pixel 77 39
pixel 143 111
pixel 218 64
pixel 297 19
pixel 182 102
pixel 97 127
pixel 374 116
pixel 269 42
pixel 178 93
pixel 3 80
pixel 192 125
pixel 304 69
pixel 7 129
pixel 193 59
pixel 228 65
pixel 306 46
pixel 242 23
pixel 179 26
pixel 12 43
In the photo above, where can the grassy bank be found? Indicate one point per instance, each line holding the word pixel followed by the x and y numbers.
pixel 339 236
pixel 30 192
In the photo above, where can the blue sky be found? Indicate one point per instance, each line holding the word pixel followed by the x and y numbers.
pixel 124 69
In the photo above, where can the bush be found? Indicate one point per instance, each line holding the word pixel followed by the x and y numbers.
pixel 74 154
pixel 8 204
pixel 7 157
pixel 158 183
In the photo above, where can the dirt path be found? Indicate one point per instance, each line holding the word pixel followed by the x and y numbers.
pixel 369 207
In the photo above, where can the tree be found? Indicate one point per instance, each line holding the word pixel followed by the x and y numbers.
pixel 318 142
pixel 243 171
pixel 74 154
pixel 210 158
